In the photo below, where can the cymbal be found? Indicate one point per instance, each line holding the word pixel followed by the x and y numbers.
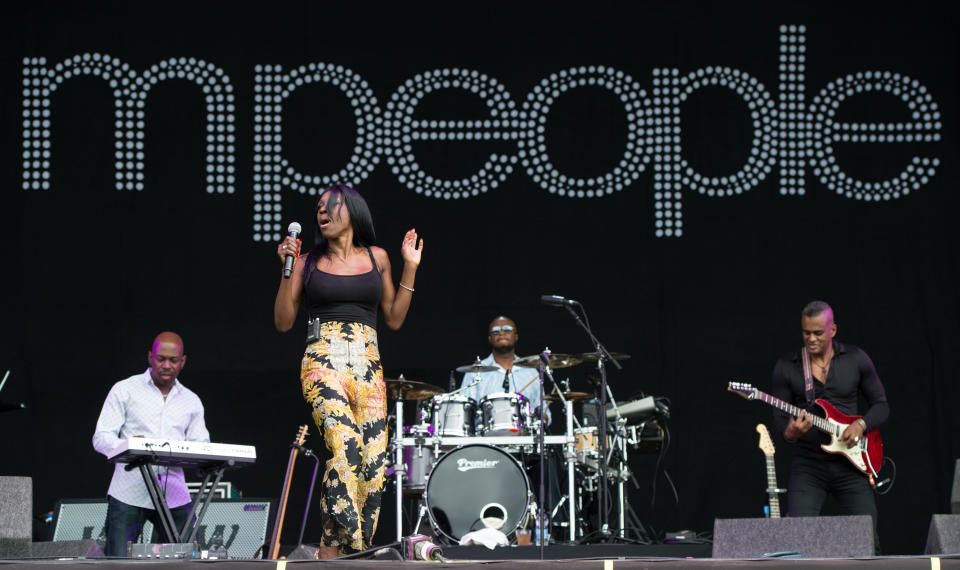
pixel 557 360
pixel 477 366
pixel 595 356
pixel 473 368
pixel 410 389
pixel 570 396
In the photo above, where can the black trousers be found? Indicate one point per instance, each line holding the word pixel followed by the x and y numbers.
pixel 812 480
pixel 124 523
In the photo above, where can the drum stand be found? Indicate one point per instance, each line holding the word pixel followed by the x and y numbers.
pixel 422 511
pixel 570 454
pixel 399 466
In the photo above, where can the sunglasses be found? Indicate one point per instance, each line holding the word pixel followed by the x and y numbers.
pixel 498 329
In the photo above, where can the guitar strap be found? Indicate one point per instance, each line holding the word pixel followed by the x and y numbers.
pixel 807 376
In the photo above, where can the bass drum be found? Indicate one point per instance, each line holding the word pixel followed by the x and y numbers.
pixel 476 486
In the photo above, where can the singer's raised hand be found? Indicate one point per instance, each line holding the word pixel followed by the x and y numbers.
pixel 411 250
pixel 288 246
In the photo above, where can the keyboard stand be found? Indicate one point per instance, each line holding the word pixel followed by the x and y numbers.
pixel 167 524
pixel 207 493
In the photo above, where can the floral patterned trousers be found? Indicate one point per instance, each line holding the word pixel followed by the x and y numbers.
pixel 343 381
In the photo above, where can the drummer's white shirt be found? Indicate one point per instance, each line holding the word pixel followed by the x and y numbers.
pixel 492 383
pixel 136 406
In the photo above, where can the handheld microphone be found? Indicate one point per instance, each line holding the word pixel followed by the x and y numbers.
pixel 556 300
pixel 293 230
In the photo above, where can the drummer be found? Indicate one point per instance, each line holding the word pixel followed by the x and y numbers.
pixel 503 336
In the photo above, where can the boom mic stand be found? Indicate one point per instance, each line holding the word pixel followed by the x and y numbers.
pixel 603 355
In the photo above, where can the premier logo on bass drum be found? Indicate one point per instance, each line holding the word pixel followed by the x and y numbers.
pixel 466 465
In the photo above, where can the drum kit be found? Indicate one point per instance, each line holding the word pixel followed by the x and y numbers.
pixel 463 460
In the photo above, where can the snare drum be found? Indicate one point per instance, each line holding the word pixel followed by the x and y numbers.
pixel 454 416
pixel 505 414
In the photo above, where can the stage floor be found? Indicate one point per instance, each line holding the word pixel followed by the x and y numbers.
pixel 592 557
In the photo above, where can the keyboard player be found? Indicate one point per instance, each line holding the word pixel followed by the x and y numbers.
pixel 152 404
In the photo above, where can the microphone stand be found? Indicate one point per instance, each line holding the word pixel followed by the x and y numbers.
pixel 541 514
pixel 604 355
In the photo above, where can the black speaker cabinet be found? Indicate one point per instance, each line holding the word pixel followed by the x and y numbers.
pixel 239 525
pixel 16 520
pixel 944 535
pixel 813 537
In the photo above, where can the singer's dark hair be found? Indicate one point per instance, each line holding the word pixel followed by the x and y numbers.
pixel 360 220
pixel 816 308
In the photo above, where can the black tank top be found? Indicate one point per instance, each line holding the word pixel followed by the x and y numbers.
pixel 346 298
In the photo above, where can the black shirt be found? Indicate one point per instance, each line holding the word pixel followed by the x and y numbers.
pixel 345 298
pixel 851 373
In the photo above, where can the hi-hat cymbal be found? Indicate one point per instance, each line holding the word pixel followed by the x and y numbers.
pixel 595 356
pixel 570 396
pixel 410 389
pixel 556 360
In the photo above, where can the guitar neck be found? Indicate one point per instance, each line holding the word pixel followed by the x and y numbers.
pixel 772 484
pixel 274 550
pixel 820 423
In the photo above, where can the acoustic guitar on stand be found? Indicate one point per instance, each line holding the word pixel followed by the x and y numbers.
pixel 766 446
pixel 866 455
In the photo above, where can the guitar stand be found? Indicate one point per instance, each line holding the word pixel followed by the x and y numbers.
pixel 313 480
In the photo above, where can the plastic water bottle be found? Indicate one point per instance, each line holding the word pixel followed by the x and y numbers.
pixel 537 532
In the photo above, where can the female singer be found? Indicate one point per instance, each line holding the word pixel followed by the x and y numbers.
pixel 344 279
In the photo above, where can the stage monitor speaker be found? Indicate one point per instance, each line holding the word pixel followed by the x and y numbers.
pixel 239 525
pixel 812 537
pixel 88 548
pixel 944 535
pixel 955 491
pixel 303 552
pixel 16 516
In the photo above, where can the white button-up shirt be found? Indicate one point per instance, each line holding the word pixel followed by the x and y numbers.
pixel 136 406
pixel 492 382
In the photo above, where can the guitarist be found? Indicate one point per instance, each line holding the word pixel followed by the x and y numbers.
pixel 840 373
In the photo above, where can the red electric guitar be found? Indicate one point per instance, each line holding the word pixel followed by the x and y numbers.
pixel 866 455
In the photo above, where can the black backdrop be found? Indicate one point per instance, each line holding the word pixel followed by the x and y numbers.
pixel 93 272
